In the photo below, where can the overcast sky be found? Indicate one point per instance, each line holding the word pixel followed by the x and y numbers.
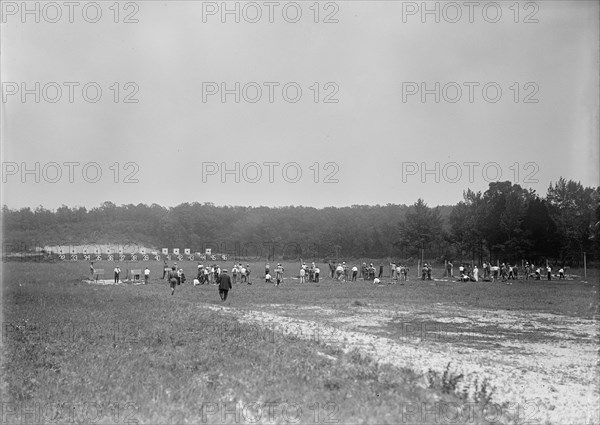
pixel 370 142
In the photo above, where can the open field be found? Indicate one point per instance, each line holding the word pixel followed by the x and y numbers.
pixel 422 352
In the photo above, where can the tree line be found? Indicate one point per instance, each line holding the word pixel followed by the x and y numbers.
pixel 505 223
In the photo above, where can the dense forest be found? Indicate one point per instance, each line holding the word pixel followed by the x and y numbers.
pixel 506 223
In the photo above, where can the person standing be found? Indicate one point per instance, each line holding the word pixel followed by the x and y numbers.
pixel 117 273
pixel 380 271
pixel 549 271
pixel 404 273
pixel 475 273
pixel 165 270
pixel 146 275
pixel 248 274
pixel 279 273
pixel 172 277
pixel 317 273
pixel 242 274
pixel 224 282
pixel 302 275
pixel 92 270
pixel 354 273
pixel 234 273
pixel 200 275
pixel 339 272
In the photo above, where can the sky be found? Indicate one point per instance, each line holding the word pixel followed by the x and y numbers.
pixel 330 104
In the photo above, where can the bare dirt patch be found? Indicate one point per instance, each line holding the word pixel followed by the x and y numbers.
pixel 547 363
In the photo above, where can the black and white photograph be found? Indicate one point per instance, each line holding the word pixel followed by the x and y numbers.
pixel 300 212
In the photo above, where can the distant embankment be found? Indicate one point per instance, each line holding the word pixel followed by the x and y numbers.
pixel 80 234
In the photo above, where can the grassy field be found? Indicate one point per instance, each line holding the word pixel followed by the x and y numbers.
pixel 75 352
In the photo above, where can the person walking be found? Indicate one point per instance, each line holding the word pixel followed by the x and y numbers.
pixel 146 275
pixel 224 282
pixel 117 273
pixel 165 270
pixel 172 277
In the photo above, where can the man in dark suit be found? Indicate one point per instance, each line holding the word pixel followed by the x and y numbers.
pixel 224 282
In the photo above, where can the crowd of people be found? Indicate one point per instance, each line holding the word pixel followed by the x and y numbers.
pixel 504 272
pixel 343 272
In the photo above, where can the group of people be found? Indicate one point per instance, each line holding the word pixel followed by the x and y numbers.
pixel 504 272
pixel 278 274
pixel 533 272
pixel 342 272
pixel 210 274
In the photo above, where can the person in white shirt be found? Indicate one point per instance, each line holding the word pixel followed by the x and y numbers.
pixel 234 273
pixel 317 273
pixel 302 274
pixel 279 273
pixel 117 273
pixel 146 275
pixel 268 278
pixel 339 272
pixel 475 273
pixel 354 273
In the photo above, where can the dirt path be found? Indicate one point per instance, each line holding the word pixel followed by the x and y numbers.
pixel 546 363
